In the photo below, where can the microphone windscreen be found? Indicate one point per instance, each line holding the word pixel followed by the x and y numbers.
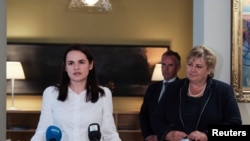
pixel 53 133
pixel 94 132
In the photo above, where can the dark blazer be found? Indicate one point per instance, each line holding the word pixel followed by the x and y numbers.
pixel 150 101
pixel 218 106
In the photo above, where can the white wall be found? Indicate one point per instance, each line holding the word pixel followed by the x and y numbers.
pixel 2 69
pixel 214 30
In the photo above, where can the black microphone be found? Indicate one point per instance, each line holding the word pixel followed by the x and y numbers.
pixel 94 132
pixel 53 133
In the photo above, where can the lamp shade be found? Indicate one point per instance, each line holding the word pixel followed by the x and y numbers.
pixel 14 70
pixel 157 73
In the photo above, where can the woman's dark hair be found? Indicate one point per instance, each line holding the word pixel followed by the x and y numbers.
pixel 92 87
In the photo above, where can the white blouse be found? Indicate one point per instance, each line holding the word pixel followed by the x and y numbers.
pixel 74 115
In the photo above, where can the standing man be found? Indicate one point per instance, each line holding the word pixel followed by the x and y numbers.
pixel 171 64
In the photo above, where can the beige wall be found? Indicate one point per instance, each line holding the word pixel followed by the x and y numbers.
pixel 146 22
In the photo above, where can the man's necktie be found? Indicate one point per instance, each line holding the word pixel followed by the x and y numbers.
pixel 164 90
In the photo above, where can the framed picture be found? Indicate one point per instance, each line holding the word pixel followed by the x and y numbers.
pixel 240 78
pixel 125 69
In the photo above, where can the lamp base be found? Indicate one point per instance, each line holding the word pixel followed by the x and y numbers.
pixel 13 108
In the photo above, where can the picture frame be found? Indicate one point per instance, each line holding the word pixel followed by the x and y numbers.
pixel 125 69
pixel 240 53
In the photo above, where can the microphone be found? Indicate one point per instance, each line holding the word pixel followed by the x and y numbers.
pixel 53 133
pixel 94 132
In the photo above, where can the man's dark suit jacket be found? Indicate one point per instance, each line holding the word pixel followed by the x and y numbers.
pixel 148 106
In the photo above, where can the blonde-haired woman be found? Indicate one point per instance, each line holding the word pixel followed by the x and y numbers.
pixel 196 102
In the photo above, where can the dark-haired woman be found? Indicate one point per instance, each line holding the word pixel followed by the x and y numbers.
pixel 77 101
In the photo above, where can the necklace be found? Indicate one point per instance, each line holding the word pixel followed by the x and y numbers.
pixel 196 95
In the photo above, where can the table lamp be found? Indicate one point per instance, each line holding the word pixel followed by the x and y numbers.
pixel 157 74
pixel 14 70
